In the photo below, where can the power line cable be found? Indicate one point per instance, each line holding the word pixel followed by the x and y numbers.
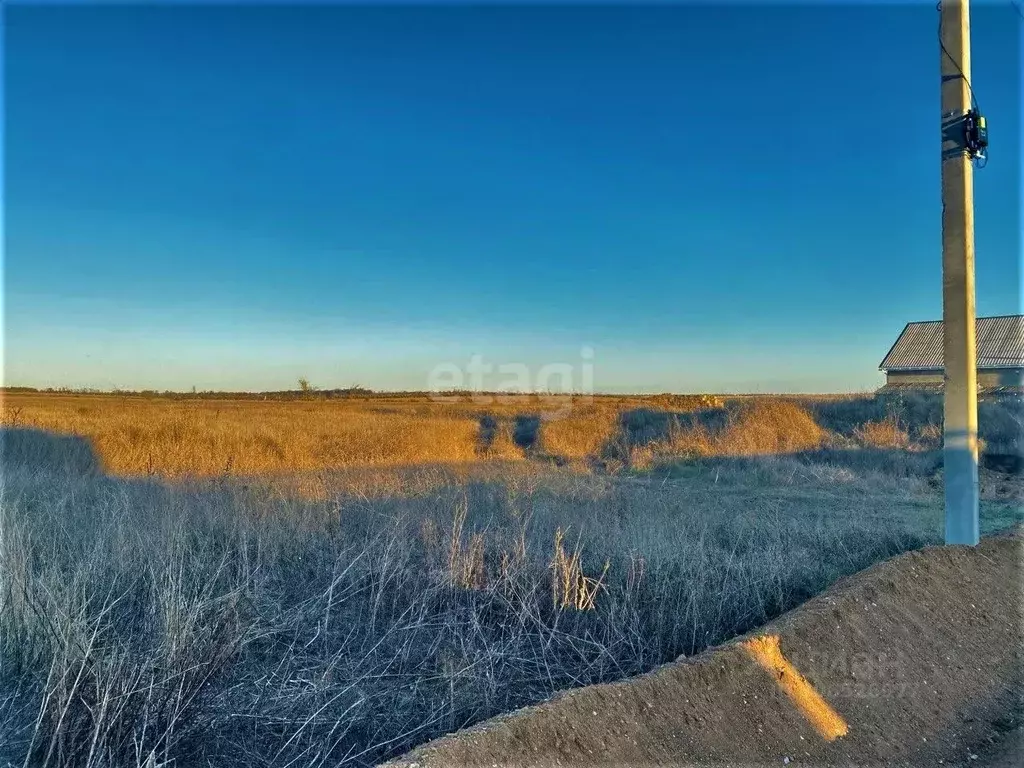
pixel 980 160
pixel 970 88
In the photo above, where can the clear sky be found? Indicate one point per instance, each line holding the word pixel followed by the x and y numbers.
pixel 728 198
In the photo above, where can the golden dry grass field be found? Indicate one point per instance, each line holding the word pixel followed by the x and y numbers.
pixel 176 437
pixel 381 444
pixel 332 581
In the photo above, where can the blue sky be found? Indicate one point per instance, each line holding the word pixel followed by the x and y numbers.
pixel 731 198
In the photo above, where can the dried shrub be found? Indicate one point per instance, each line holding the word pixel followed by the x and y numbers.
pixel 770 426
pixel 887 433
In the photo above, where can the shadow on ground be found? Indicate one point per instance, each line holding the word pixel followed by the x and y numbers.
pixel 857 680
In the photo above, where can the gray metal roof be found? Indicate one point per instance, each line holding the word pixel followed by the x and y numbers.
pixel 919 347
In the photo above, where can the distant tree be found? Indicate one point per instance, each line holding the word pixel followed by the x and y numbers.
pixel 357 390
pixel 305 386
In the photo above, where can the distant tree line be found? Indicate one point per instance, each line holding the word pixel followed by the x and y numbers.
pixel 285 394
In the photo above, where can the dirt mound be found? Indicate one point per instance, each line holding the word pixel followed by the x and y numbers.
pixel 915 661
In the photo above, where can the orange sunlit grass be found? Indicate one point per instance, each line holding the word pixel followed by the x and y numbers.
pixel 204 437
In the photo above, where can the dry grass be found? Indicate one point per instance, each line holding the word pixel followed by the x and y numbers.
pixel 769 427
pixel 218 623
pixel 580 435
pixel 422 579
pixel 175 438
pixel 299 440
pixel 754 427
pixel 888 433
pixel 182 437
pixel 570 586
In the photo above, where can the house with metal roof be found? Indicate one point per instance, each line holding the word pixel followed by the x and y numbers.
pixel 915 360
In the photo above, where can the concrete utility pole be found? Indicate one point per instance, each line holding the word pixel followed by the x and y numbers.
pixel 958 313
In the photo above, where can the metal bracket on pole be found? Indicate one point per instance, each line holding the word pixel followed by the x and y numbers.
pixel 964 133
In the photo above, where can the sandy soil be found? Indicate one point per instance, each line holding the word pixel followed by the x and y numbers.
pixel 918 659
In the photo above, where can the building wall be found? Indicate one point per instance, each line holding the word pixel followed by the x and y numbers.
pixel 913 377
pixel 1001 377
pixel 995 377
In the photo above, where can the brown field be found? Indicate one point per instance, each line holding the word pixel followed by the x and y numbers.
pixel 330 581
pixel 179 437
